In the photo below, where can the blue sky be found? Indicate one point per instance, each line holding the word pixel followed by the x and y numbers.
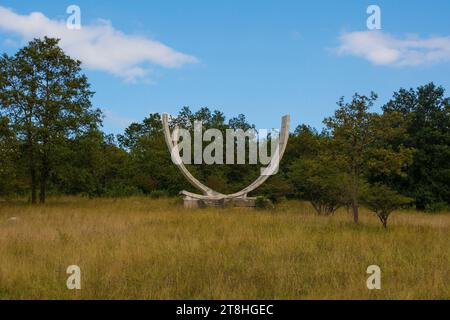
pixel 261 58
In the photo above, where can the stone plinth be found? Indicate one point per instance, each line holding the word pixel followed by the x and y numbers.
pixel 244 202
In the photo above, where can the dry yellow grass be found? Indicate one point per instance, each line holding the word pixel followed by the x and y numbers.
pixel 139 248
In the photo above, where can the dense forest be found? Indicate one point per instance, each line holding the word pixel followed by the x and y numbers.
pixel 51 142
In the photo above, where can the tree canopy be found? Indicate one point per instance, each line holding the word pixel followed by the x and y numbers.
pixel 47 101
pixel 51 140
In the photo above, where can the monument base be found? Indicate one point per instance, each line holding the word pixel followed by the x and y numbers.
pixel 247 202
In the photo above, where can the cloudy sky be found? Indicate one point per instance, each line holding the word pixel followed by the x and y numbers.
pixel 260 58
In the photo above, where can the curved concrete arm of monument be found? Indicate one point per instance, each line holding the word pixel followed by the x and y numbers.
pixel 271 169
pixel 273 166
pixel 210 194
pixel 175 154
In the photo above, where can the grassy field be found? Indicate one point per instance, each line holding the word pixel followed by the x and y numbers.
pixel 139 248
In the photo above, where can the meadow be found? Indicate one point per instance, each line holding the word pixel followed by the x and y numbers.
pixel 141 248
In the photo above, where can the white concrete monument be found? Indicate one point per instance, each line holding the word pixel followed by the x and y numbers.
pixel 210 197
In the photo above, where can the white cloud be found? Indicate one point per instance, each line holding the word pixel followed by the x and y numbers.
pixel 383 49
pixel 99 46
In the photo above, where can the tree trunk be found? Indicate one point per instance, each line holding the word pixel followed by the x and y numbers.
pixel 384 219
pixel 43 189
pixel 44 176
pixel 33 186
pixel 45 169
pixel 355 210
pixel 355 196
pixel 31 164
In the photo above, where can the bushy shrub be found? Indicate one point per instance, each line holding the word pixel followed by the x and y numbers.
pixel 321 183
pixel 121 191
pixel 436 207
pixel 263 203
pixel 156 194
pixel 383 201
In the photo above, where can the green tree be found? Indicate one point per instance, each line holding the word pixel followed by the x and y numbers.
pixel 48 101
pixel 360 144
pixel 383 201
pixel 320 183
pixel 94 165
pixel 427 112
pixel 313 176
pixel 8 151
pixel 150 163
pixel 276 188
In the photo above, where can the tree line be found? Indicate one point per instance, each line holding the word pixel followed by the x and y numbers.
pixel 51 142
